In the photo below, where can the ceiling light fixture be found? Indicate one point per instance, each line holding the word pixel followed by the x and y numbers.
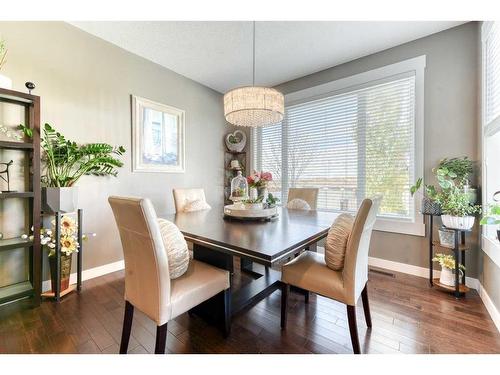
pixel 254 106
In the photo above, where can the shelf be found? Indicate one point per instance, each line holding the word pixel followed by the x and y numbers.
pixel 17 194
pixel 17 97
pixel 14 243
pixel 462 288
pixel 461 247
pixel 15 291
pixel 236 152
pixel 16 145
pixel 70 289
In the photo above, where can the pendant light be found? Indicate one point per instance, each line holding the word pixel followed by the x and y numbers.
pixel 254 106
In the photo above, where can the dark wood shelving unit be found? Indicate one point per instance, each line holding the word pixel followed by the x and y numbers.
pixel 33 286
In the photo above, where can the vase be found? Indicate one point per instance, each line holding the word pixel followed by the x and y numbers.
pixel 447 237
pixel 262 192
pixel 458 222
pixel 447 277
pixel 253 193
pixel 59 199
pixel 65 272
pixel 5 82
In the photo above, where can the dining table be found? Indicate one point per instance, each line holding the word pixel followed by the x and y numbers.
pixel 260 245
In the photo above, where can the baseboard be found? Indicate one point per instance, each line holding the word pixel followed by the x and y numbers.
pixel 490 306
pixel 91 273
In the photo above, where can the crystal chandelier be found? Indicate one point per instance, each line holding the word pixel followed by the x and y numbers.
pixel 254 106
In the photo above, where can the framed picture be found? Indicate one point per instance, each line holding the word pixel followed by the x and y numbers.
pixel 157 137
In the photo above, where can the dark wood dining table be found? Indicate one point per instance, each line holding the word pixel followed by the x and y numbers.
pixel 259 244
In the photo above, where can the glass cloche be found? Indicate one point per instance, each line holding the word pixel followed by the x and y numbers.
pixel 239 188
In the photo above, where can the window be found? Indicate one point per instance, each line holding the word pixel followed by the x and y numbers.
pixel 351 138
pixel 491 127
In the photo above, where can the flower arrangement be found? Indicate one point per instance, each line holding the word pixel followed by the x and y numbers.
pixel 447 261
pixel 68 239
pixel 259 179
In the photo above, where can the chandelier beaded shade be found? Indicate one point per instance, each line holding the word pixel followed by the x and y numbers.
pixel 254 106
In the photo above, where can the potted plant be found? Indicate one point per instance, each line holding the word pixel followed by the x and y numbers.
pixel 272 201
pixel 66 162
pixel 447 263
pixel 429 204
pixel 257 182
pixel 492 217
pixel 68 242
pixel 458 213
pixel 5 82
pixel 456 172
pixel 254 204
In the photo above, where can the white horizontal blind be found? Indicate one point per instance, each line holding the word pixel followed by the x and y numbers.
pixel 350 145
pixel 492 73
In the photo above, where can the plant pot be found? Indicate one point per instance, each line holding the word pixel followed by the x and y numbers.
pixel 5 82
pixel 458 222
pixel 65 272
pixel 253 193
pixel 430 207
pixel 447 237
pixel 262 192
pixel 447 277
pixel 59 199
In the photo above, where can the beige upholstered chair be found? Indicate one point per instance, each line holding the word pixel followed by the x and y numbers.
pixel 309 271
pixel 310 195
pixel 184 196
pixel 147 283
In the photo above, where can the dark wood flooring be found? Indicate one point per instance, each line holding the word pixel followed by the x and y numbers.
pixel 408 317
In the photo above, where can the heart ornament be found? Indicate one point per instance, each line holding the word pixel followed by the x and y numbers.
pixel 236 141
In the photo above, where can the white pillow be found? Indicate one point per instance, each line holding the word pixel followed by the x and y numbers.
pixel 176 247
pixel 196 205
pixel 298 204
pixel 336 241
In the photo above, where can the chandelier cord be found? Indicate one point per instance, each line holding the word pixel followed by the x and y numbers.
pixel 253 72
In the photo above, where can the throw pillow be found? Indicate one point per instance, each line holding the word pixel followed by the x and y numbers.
pixel 176 247
pixel 196 205
pixel 336 241
pixel 298 204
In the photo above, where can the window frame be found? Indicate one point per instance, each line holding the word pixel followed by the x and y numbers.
pixel 488 244
pixel 415 225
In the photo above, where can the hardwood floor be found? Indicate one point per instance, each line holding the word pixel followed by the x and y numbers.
pixel 407 315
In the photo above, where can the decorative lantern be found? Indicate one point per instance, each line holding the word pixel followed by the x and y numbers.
pixel 239 188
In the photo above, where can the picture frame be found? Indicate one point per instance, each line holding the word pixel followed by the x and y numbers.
pixel 158 137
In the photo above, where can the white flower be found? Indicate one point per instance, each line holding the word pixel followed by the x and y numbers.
pixel 52 245
pixel 24 236
pixel 48 232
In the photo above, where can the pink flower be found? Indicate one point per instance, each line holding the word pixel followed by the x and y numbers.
pixel 267 176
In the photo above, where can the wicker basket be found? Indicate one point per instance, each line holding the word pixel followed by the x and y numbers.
pixel 430 207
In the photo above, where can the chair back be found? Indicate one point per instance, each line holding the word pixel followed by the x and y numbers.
pixel 184 196
pixel 310 195
pixel 355 272
pixel 147 280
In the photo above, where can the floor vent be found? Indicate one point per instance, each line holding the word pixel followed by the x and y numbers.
pixel 380 272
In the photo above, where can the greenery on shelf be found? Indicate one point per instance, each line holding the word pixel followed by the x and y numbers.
pixel 447 261
pixel 259 199
pixel 493 215
pixel 455 202
pixel 66 161
pixel 453 172
pixel 272 200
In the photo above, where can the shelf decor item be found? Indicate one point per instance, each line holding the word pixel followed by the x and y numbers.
pixel 259 181
pixel 66 162
pixel 446 237
pixel 493 215
pixel 236 141
pixel 447 263
pixel 239 188
pixel 457 210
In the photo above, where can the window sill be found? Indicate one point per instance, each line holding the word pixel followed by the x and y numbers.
pixel 492 248
pixel 400 227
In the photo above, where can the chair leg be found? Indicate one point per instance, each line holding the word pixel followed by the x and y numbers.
pixel 366 306
pixel 127 327
pixel 161 339
pixel 285 291
pixel 227 312
pixel 353 328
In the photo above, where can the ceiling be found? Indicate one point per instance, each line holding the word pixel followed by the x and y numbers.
pixel 219 54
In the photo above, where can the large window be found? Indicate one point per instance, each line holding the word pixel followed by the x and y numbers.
pixel 354 141
pixel 491 127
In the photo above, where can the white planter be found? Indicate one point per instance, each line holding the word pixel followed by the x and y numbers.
pixel 458 222
pixel 5 82
pixel 59 199
pixel 447 277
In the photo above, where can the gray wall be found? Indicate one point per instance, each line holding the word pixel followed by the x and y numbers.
pixel 85 85
pixel 451 115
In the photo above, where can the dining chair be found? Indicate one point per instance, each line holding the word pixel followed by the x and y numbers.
pixel 310 195
pixel 184 196
pixel 309 272
pixel 148 286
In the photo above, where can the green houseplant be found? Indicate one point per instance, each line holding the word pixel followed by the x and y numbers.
pixel 447 263
pixel 458 213
pixel 492 217
pixel 455 172
pixel 65 162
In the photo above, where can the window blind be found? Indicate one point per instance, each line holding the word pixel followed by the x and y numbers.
pixel 350 145
pixel 492 73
